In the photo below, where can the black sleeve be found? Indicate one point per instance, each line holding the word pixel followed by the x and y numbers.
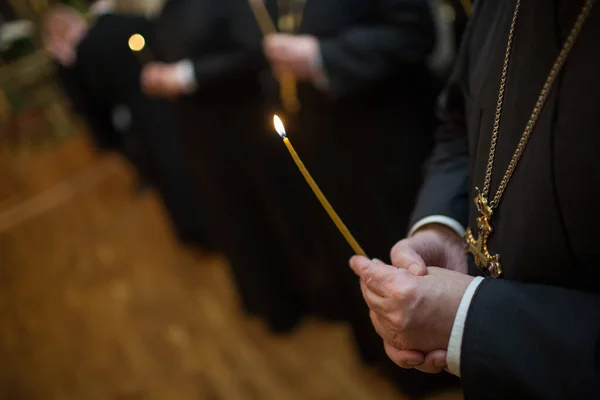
pixel 445 191
pixel 531 342
pixel 446 188
pixel 213 68
pixel 230 25
pixel 365 54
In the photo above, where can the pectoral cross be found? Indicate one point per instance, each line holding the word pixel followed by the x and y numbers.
pixel 478 247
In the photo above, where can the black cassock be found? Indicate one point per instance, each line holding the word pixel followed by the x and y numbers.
pixel 536 333
pixel 365 139
pixel 237 159
pixel 107 75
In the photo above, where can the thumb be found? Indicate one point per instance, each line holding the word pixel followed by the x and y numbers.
pixel 404 256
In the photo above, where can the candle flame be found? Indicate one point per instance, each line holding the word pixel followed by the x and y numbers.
pixel 279 126
pixel 137 42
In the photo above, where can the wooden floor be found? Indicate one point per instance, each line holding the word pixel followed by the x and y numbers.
pixel 97 301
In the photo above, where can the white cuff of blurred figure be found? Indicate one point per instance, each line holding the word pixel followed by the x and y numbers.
pixel 102 7
pixel 458 328
pixel 320 79
pixel 186 76
pixel 440 220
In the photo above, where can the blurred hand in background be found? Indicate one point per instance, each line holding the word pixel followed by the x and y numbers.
pixel 163 80
pixel 296 54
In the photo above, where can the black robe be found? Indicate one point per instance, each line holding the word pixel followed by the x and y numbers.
pixel 365 141
pixel 535 333
pixel 98 119
pixel 106 75
pixel 238 161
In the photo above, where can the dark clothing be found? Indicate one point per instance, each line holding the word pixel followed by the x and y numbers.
pixel 462 13
pixel 365 140
pixel 237 160
pixel 106 75
pixel 535 333
pixel 98 119
pixel 378 109
pixel 280 242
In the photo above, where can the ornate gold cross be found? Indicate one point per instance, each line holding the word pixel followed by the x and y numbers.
pixel 478 247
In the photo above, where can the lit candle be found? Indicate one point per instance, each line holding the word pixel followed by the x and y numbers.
pixel 137 44
pixel 279 127
pixel 287 81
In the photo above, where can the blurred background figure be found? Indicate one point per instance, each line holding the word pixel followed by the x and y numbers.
pixel 450 17
pixel 99 299
pixel 365 129
pixel 101 74
pixel 212 61
pixel 148 8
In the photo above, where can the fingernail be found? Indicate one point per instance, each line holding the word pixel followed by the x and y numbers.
pixel 415 269
pixel 413 363
pixel 378 261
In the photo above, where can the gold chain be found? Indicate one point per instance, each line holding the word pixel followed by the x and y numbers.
pixel 539 105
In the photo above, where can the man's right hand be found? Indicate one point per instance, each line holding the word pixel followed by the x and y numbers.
pixel 433 245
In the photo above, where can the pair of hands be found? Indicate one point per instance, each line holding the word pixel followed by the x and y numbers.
pixel 293 54
pixel 413 306
pixel 162 80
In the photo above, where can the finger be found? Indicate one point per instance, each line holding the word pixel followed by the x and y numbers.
pixel 148 83
pixel 374 301
pixel 145 80
pixel 154 90
pixel 404 358
pixel 404 256
pixel 387 331
pixel 278 38
pixel 273 44
pixel 435 362
pixel 376 276
pixel 149 76
pixel 379 328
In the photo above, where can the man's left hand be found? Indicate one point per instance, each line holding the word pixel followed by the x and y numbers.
pixel 413 314
pixel 295 54
pixel 162 80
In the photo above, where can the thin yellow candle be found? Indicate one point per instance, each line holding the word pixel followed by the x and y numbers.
pixel 279 127
pixel 137 44
pixel 467 6
pixel 289 95
pixel 267 26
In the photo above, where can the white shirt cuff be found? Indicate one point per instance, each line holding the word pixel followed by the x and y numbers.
pixel 456 337
pixel 102 7
pixel 442 220
pixel 186 76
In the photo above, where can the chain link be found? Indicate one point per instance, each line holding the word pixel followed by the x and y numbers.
pixel 539 106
